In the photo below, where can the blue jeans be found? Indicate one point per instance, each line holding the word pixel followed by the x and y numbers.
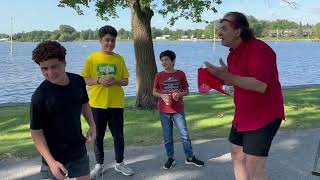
pixel 179 120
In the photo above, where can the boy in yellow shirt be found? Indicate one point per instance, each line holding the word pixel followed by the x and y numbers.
pixel 105 73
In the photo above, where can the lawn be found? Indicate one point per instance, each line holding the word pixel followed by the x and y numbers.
pixel 203 113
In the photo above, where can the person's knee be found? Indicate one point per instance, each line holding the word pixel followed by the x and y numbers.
pixel 237 155
pixel 185 136
pixel 118 138
pixel 168 140
pixel 255 164
pixel 167 136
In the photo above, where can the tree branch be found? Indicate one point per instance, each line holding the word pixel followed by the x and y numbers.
pixel 292 4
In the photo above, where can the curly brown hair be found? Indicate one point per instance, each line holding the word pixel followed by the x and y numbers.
pixel 48 50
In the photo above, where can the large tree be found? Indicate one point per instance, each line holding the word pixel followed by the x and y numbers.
pixel 141 13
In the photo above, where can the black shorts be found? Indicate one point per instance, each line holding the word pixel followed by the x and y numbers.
pixel 77 168
pixel 255 142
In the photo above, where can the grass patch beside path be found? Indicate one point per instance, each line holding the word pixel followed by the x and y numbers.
pixel 143 127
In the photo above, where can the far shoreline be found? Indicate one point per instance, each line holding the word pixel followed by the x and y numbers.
pixel 184 40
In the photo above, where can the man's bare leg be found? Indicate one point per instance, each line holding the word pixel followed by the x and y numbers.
pixel 239 162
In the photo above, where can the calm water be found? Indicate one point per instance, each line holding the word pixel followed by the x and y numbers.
pixel 298 63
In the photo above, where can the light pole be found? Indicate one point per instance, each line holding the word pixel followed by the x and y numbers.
pixel 11 40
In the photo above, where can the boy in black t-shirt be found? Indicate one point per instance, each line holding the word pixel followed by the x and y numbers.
pixel 56 108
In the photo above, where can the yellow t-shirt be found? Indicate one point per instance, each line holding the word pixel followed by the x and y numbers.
pixel 99 64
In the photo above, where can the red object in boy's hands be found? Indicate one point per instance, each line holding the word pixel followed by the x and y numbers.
pixel 206 82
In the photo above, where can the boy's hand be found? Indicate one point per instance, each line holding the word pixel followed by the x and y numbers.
pixel 58 170
pixel 167 98
pixel 176 95
pixel 91 135
pixel 108 81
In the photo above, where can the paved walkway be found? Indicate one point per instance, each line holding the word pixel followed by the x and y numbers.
pixel 292 157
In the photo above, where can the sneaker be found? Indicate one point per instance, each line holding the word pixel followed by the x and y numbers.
pixel 195 162
pixel 96 171
pixel 124 169
pixel 170 162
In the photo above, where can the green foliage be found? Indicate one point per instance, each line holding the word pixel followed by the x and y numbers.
pixel 187 9
pixel 33 36
pixel 123 34
pixel 84 35
pixel 257 26
pixel 106 9
pixel 209 29
pixel 156 32
pixel 66 29
pixel 3 36
pixel 68 33
pixel 317 26
pixel 282 24
pixel 55 35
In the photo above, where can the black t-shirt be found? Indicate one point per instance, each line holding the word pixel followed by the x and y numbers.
pixel 56 110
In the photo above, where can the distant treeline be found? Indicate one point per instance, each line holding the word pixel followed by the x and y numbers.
pixel 262 28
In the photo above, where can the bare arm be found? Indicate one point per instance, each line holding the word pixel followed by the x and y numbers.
pixel 164 97
pixel 183 93
pixel 248 83
pixel 86 112
pixel 159 95
pixel 91 81
pixel 122 82
pixel 179 94
pixel 106 81
pixel 156 93
pixel 41 144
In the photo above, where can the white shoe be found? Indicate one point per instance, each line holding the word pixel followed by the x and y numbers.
pixel 96 171
pixel 124 169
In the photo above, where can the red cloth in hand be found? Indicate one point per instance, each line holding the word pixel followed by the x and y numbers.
pixel 206 82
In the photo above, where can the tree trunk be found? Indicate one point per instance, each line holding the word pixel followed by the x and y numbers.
pixel 146 68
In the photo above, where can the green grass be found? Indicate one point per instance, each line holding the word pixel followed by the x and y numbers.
pixel 143 127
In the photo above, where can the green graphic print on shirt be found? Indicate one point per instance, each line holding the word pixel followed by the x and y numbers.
pixel 106 70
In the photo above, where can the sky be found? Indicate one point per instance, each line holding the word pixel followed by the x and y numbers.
pixel 29 15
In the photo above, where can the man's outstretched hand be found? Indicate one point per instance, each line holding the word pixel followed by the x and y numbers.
pixel 217 71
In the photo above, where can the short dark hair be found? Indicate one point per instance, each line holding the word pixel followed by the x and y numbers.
pixel 48 50
pixel 168 53
pixel 107 30
pixel 240 21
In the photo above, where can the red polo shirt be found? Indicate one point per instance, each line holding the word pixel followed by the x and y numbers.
pixel 254 110
pixel 167 83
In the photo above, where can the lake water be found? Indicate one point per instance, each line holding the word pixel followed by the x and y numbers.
pixel 298 63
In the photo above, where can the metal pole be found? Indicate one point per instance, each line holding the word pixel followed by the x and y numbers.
pixel 315 165
pixel 11 47
pixel 214 36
